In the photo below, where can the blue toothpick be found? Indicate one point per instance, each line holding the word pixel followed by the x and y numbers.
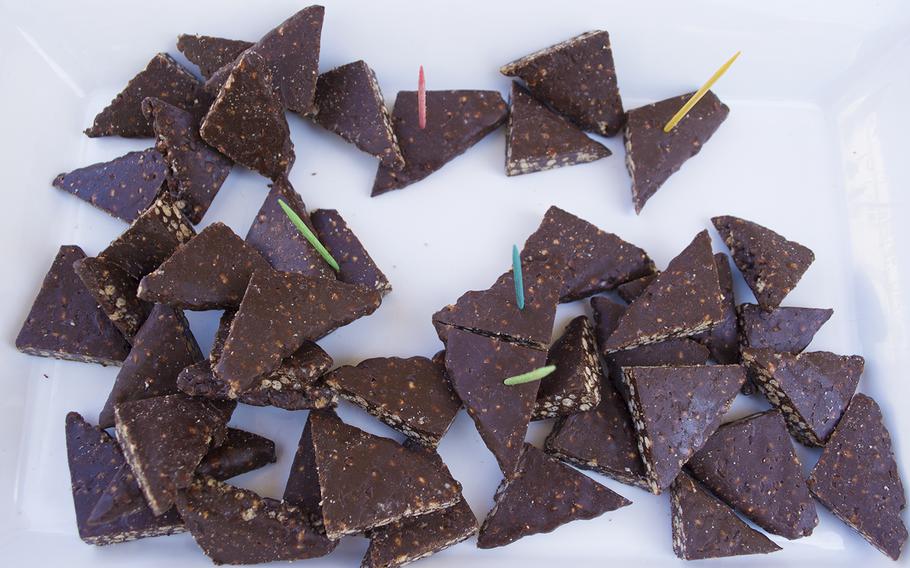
pixel 517 277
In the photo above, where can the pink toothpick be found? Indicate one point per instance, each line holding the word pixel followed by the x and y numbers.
pixel 421 100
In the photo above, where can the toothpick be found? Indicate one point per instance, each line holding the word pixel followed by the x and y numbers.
pixel 518 278
pixel 308 235
pixel 531 376
pixel 699 93
pixel 421 100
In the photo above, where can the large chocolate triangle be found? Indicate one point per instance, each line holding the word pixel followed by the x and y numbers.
pixel 723 340
pixel 355 264
pixel 210 53
pixel 543 495
pixel 784 330
pixel 575 384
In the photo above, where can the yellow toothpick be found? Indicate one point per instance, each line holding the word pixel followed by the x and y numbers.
pixel 699 93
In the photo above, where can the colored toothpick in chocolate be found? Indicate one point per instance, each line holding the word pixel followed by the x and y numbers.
pixel 699 93
pixel 530 376
pixel 308 235
pixel 421 99
pixel 518 278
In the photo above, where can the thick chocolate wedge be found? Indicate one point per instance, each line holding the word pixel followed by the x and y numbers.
pixel 783 330
pixel 723 339
pixel 210 53
pixel 575 384
pixel 355 263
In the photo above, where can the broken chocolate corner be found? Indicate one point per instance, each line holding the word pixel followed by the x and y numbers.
pixel 575 384
pixel 210 53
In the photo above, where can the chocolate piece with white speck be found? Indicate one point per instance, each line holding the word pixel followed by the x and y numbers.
pixel 628 291
pixel 783 330
pixel 723 340
pixel 356 266
pixel 575 384
pixel 210 53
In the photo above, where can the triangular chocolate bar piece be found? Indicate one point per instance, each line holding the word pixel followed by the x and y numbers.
pixel 770 264
pixel 123 187
pixel 355 264
pixel 577 78
pixel 632 289
pixel 350 104
pixel 210 53
pixel 675 410
pixel 456 120
pixel 575 384
pixel 858 479
pixel 209 272
pixel 751 465
pixel 704 527
pixel 783 330
pixel 66 323
pixel 723 340
pixel 684 300
pixel 163 78
pixel 811 389
pixel 543 495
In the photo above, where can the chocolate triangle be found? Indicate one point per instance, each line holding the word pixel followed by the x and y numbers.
pixel 350 104
pixel 410 395
pixel 195 170
pixel 210 53
pixel 595 261
pixel 632 289
pixel 367 481
pixel 858 480
pixel 280 311
pixel 675 410
pixel 236 526
pixel 163 78
pixel 704 527
pixel 209 272
pixel 66 323
pixel 575 385
pixel 538 139
pixel 123 187
pixel 355 263
pixel 164 439
pixel 723 339
pixel 652 155
pixel 751 465
pixel 494 311
pixel 784 330
pixel 577 78
pixel 456 120
pixel 477 366
pixel 811 389
pixel 246 122
pixel 684 300
pixel 543 495
pixel 94 459
pixel 770 264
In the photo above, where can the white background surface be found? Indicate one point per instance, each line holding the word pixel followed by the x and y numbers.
pixel 815 147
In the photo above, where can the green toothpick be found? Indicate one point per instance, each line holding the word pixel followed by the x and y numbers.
pixel 518 278
pixel 534 375
pixel 308 235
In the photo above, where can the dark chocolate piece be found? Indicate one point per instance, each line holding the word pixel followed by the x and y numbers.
pixel 456 120
pixel 161 349
pixel 163 78
pixel 122 497
pixel 652 155
pixel 350 104
pixel 704 527
pixel 195 171
pixel 675 410
pixel 812 390
pixel 577 78
pixel 770 264
pixel 595 261
pixel 66 323
pixel 784 330
pixel 302 488
pixel 477 366
pixel 236 526
pixel 246 122
pixel 633 289
pixel 355 263
pixel 858 480
pixel 538 139
pixel 543 495
pixel 411 395
pixel 683 300
pixel 723 340
pixel 209 272
pixel 575 384
pixel 751 465
pixel 124 187
pixel 210 53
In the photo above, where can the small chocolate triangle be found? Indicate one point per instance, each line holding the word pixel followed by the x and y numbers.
pixel 704 527
pixel 632 289
pixel 163 78
pixel 161 349
pixel 350 104
pixel 210 53
pixel 683 300
pixel 195 171
pixel 368 481
pixel 723 339
pixel 211 271
pixel 355 263
pixel 811 389
pixel 246 122
pixel 784 330
pixel 595 261
pixel 575 384
pixel 123 187
pixel 237 526
pixel 751 465
pixel 543 495
pixel 477 366
pixel 66 323
pixel 410 395
pixel 770 264
pixel 456 120
pixel 675 410
pixel 858 479
pixel 576 78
